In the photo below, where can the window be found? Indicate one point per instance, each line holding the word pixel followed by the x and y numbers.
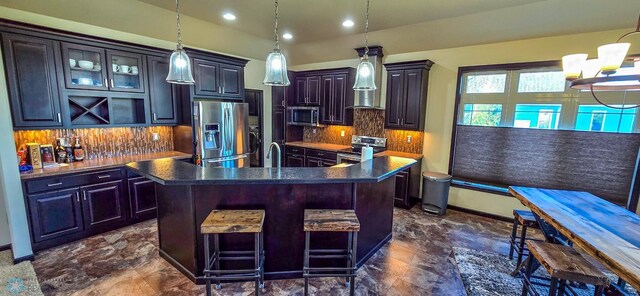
pixel 537 116
pixel 536 82
pixel 521 124
pixel 486 84
pixel 599 118
pixel 537 96
pixel 482 114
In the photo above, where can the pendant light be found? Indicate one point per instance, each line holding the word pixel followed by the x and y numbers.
pixel 364 75
pixel 179 63
pixel 276 64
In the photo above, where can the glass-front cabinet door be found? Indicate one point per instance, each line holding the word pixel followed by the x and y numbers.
pixel 84 67
pixel 126 71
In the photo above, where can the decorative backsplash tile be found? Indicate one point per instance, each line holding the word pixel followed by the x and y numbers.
pixel 329 134
pixel 105 142
pixel 367 122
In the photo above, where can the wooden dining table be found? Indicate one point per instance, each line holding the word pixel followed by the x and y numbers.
pixel 608 232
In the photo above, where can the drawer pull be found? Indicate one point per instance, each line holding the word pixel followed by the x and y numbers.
pixel 320 154
pixel 54 184
pixel 104 176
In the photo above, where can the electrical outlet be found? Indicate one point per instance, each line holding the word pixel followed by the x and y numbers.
pixel 408 139
pixel 155 137
pixel 342 133
pixel 314 131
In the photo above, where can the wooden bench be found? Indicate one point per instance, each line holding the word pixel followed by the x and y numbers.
pixel 517 242
pixel 563 264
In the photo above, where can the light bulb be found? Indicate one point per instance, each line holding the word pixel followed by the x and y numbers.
pixel 180 62
pixel 276 64
pixel 365 72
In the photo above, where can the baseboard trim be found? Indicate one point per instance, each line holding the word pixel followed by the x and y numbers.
pixel 479 213
pixel 5 247
pixel 24 258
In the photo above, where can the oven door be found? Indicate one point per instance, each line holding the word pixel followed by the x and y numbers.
pixel 348 158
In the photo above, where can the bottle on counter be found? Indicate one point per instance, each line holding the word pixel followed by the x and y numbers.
pixel 61 152
pixel 68 146
pixel 78 151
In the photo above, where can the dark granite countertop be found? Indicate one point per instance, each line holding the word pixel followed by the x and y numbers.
pixel 173 172
pixel 99 164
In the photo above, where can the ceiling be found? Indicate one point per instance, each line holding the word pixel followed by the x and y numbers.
pixel 310 21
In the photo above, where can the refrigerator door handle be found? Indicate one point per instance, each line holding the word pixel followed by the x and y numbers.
pixel 226 158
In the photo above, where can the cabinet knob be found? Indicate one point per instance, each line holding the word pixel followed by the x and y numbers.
pixel 59 117
pixel 112 83
pixel 84 195
pixel 106 83
pixel 77 198
pixel 155 117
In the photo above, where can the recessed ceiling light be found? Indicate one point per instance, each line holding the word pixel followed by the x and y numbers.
pixel 287 36
pixel 347 23
pixel 229 16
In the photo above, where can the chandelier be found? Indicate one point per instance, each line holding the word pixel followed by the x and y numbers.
pixel 608 72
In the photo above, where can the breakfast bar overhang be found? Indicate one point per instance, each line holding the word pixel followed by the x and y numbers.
pixel 186 194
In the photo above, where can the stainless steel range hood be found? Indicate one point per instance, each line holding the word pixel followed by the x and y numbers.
pixel 371 99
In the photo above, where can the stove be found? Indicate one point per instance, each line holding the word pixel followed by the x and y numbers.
pixel 354 154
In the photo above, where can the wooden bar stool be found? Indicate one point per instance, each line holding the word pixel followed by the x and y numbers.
pixel 331 221
pixel 233 221
pixel 563 264
pixel 517 244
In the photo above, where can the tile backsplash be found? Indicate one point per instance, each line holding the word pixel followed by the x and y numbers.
pixel 367 122
pixel 105 142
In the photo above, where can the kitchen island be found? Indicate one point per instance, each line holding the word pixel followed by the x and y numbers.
pixel 187 193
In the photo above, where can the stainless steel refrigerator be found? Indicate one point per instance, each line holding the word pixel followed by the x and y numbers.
pixel 221 133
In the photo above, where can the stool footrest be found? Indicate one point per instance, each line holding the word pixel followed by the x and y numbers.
pixel 320 269
pixel 323 275
pixel 329 250
pixel 328 256
pixel 235 277
pixel 231 271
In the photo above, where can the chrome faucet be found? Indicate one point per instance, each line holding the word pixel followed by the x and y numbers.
pixel 279 153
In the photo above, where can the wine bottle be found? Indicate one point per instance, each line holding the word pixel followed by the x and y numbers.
pixel 78 151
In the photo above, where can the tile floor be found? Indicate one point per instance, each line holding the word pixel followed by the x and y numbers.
pixel 418 261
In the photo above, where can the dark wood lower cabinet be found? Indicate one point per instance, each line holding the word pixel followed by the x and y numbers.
pixel 313 162
pixel 55 214
pixel 295 160
pixel 69 207
pixel 142 198
pixel 103 204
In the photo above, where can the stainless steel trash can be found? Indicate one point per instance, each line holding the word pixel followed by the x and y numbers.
pixel 435 192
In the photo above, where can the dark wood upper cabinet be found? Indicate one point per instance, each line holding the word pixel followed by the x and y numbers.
pixel 126 71
pixel 31 78
pixel 162 95
pixel 335 95
pixel 55 214
pixel 395 98
pixel 232 80
pixel 206 75
pixel 103 204
pixel 308 90
pixel 326 101
pixel 142 198
pixel 407 94
pixel 85 67
pixel 218 80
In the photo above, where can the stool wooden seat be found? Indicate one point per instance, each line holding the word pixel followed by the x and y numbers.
pixel 220 222
pixel 233 221
pixel 525 219
pixel 331 220
pixel 564 264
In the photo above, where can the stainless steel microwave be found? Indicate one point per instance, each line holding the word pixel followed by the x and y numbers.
pixel 305 116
